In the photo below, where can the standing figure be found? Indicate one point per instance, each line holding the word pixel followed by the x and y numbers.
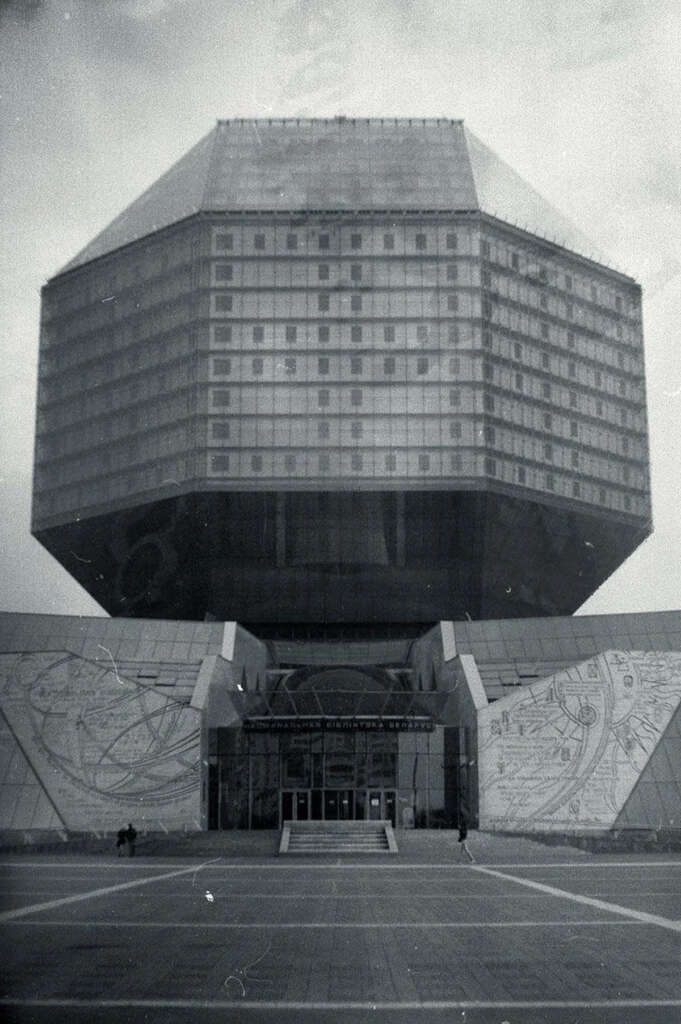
pixel 131 836
pixel 120 842
pixel 463 832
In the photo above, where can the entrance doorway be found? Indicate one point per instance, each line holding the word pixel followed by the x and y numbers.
pixel 338 805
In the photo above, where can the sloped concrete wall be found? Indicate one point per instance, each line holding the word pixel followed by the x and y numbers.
pixel 106 749
pixel 566 752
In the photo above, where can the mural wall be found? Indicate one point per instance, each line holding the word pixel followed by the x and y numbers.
pixel 106 749
pixel 566 752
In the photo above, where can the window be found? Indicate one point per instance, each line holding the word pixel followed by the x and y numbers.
pixel 521 474
pixel 390 463
pixel 356 303
pixel 323 397
pixel 257 365
pixel 389 365
pixel 455 462
pixel 324 463
pixel 323 429
pixel 623 417
pixel 355 241
pixel 256 463
pixel 422 365
pixel 544 331
pixel 222 398
pixel 223 335
pixel 356 333
pixel 515 260
pixel 594 293
pixel 420 242
pixel 618 303
pixel 221 430
pixel 356 272
pixel 291 332
pixel 601 495
pixel 519 381
pixel 486 308
pixel 620 387
pixel 388 241
pixel 572 368
pixel 490 466
pixel 453 334
pixel 290 463
pixel 573 399
pixel 323 241
pixel 627 502
pixel 292 241
pixel 545 360
pixel 223 271
pixel 543 302
pixel 259 242
pixel 356 396
pixel 323 303
pixel 453 303
pixel 290 365
pixel 258 333
pixel 548 452
pixel 485 249
pixel 490 434
pixel 549 481
pixel 219 463
pixel 517 351
pixel 389 334
pixel 223 302
pixel 222 367
pixel 356 429
pixel 223 242
pixel 323 271
pixel 487 370
pixel 356 364
pixel 356 461
pixel 455 397
pixel 455 367
pixel 455 429
pixel 576 490
pixel 486 278
pixel 568 283
pixel 625 445
pixel 452 271
pixel 488 403
pixel 571 339
pixel 424 462
pixel 323 333
pixel 569 310
pixel 548 421
pixel 451 240
pixel 422 333
pixel 599 407
pixel 575 459
pixel 574 428
pixel 322 366
pixel 487 338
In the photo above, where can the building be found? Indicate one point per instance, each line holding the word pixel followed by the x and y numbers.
pixel 353 385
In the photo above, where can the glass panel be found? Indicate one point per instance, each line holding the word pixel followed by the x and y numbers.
pixel 340 760
pixel 383 760
pixel 301 806
pixel 295 762
pixel 316 805
pixel 390 806
pixel 360 804
pixel 345 806
pixel 331 805
pixel 374 805
pixel 287 806
pixel 264 791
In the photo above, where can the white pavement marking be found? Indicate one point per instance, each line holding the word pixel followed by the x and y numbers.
pixel 587 901
pixel 272 925
pixel 11 915
pixel 283 1005
pixel 268 865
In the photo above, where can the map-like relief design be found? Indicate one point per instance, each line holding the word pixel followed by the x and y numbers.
pixel 107 749
pixel 565 752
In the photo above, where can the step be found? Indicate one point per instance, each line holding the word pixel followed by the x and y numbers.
pixel 309 837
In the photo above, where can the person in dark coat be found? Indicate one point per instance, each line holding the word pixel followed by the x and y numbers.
pixel 130 836
pixel 463 832
pixel 120 842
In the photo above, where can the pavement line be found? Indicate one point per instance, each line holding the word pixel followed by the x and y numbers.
pixel 11 915
pixel 319 1005
pixel 283 926
pixel 268 865
pixel 587 901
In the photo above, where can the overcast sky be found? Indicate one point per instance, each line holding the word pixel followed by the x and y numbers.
pixel 99 97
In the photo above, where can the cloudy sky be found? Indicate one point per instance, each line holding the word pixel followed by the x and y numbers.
pixel 99 97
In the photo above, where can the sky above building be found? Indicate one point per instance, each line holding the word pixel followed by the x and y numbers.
pixel 97 100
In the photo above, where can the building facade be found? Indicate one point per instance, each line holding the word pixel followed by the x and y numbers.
pixel 353 385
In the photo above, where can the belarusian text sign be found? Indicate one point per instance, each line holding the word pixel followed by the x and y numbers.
pixel 361 723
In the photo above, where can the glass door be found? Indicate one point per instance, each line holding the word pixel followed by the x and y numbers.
pixel 295 805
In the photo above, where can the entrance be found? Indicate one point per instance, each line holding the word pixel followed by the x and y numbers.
pixel 338 805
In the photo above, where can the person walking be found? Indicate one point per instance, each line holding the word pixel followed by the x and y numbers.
pixel 130 836
pixel 120 842
pixel 463 832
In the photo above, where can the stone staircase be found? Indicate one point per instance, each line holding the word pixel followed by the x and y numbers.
pixel 319 837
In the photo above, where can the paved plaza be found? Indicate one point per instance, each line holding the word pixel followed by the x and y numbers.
pixel 527 934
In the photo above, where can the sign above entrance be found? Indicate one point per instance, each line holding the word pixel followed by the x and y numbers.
pixel 351 723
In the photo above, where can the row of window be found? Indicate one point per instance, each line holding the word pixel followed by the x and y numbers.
pixel 223 302
pixel 389 273
pixel 224 241
pixel 225 334
pixel 356 365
